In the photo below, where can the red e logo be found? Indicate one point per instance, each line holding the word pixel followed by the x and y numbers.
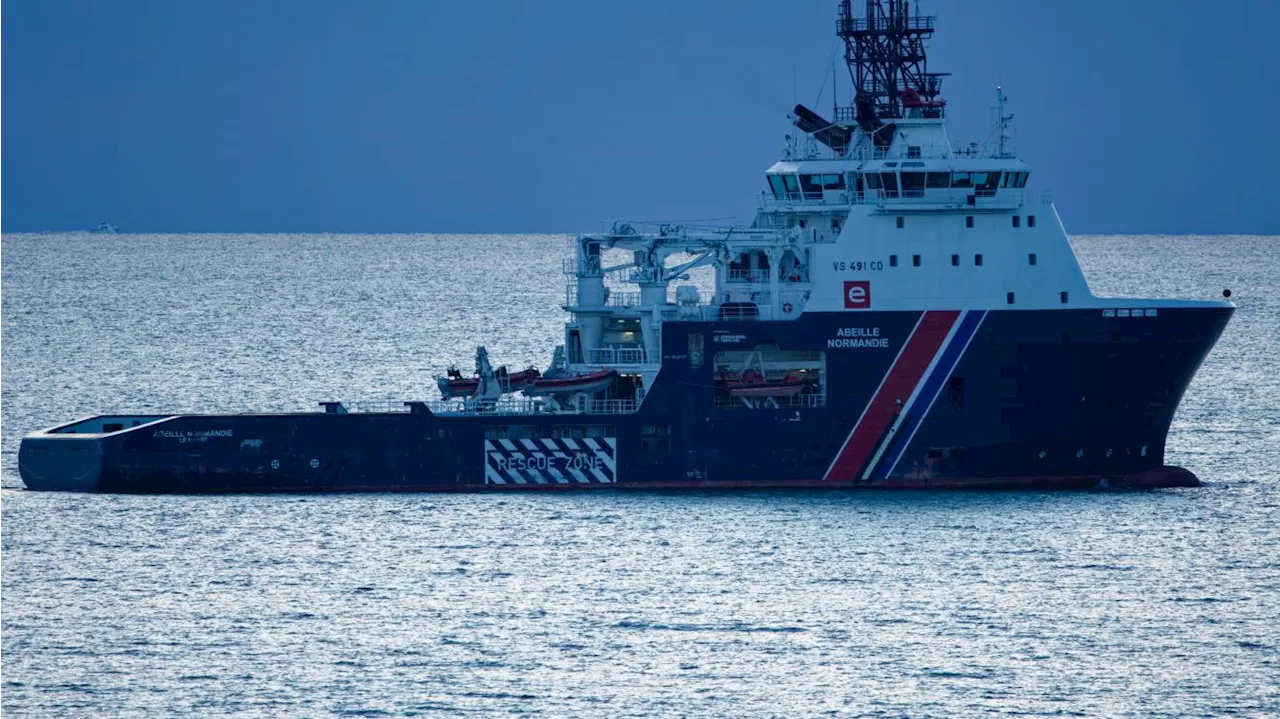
pixel 857 294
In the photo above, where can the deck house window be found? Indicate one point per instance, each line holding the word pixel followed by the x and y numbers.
pixel 986 182
pixel 893 260
pixel 779 188
pixel 793 187
pixel 913 184
pixel 1031 220
pixel 938 180
pixel 915 260
pixel 833 182
pixel 968 221
pixel 890 182
pixel 1031 258
pixel 811 186
pixel 1017 221
pixel 977 260
pixel 955 260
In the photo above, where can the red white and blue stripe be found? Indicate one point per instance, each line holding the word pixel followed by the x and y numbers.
pixel 906 394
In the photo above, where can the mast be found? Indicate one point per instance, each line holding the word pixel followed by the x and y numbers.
pixel 885 53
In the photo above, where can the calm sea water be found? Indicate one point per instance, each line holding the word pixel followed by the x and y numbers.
pixel 737 604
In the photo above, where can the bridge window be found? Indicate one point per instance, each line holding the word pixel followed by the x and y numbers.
pixel 913 184
pixel 873 181
pixel 961 179
pixel 792 185
pixel 1019 179
pixel 986 182
pixel 833 182
pixel 938 180
pixel 890 182
pixel 811 186
pixel 779 188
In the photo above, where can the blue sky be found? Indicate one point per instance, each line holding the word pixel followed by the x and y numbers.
pixel 558 116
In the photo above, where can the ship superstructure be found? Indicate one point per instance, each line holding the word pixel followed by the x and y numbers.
pixel 900 312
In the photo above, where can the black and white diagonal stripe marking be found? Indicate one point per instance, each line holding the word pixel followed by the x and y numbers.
pixel 591 460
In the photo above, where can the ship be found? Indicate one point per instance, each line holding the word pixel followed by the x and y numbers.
pixel 901 312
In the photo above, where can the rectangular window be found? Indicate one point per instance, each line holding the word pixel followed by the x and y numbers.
pixel 655 438
pixel 986 182
pixel 1031 220
pixel 779 189
pixel 955 260
pixel 1008 298
pixel 913 151
pixel 835 223
pixel 1022 179
pixel 890 182
pixel 977 260
pixel 873 181
pixel 792 185
pixel 938 180
pixel 695 350
pixel 1031 258
pixel 1064 297
pixel 913 184
pixel 1017 221
pixel 893 260
pixel 1004 182
pixel 968 222
pixel 961 179
pixel 901 222
pixel 811 186
pixel 833 182
pixel 915 260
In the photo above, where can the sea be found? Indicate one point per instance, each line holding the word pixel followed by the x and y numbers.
pixel 610 604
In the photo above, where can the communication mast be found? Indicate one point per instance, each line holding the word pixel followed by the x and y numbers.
pixel 885 52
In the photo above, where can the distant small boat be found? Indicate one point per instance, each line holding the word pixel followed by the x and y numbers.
pixel 588 383
pixel 105 228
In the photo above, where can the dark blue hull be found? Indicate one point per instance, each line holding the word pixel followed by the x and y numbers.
pixel 1060 398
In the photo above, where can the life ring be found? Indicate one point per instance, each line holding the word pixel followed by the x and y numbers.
pixel 786 307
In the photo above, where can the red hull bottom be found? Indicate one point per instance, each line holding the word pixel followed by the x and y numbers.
pixel 1160 478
